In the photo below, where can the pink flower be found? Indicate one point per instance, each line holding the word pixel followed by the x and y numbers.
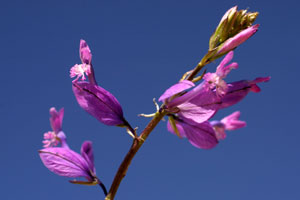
pixel 94 99
pixel 85 68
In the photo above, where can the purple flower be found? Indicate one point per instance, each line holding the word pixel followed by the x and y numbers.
pixel 95 100
pixel 66 162
pixel 196 104
pixel 231 122
pixel 188 118
pixel 189 111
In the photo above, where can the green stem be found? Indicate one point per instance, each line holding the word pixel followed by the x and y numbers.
pixel 137 143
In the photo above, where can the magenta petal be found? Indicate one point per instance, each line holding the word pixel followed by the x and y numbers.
pixel 236 92
pixel 87 154
pixel 99 103
pixel 201 136
pixel 195 113
pixel 56 119
pixel 239 90
pixel 199 89
pixel 201 107
pixel 85 52
pixel 226 59
pixel 232 122
pixel 64 162
pixel 175 89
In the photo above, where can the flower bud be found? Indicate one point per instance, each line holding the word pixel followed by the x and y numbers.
pixel 231 24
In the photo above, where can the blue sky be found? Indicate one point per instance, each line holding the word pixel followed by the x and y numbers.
pixel 140 48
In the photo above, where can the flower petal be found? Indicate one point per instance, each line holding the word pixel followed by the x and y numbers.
pixel 226 60
pixel 85 52
pixel 195 113
pixel 239 90
pixel 201 107
pixel 232 122
pixel 63 139
pixel 99 103
pixel 175 89
pixel 56 119
pixel 201 136
pixel 64 162
pixel 87 154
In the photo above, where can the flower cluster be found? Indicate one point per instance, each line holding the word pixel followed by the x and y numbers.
pixel 189 111
pixel 189 107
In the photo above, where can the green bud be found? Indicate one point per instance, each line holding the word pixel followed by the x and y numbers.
pixel 231 24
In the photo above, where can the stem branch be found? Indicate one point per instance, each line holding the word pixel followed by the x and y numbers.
pixel 137 143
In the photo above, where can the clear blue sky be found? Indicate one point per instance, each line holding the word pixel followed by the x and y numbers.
pixel 139 49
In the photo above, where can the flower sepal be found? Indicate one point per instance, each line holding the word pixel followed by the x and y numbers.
pixel 173 125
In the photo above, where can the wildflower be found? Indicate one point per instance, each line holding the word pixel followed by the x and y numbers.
pixel 66 162
pixel 95 100
pixel 189 111
pixel 196 105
